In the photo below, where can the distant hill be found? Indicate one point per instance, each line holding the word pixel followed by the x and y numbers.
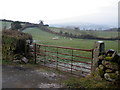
pixel 73 31
pixel 112 29
pixel 82 26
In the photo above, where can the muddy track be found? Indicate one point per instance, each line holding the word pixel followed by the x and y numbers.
pixel 25 77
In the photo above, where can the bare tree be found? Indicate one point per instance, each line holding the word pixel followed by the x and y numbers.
pixel 41 22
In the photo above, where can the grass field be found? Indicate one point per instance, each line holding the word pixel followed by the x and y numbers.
pixel 43 37
pixel 105 34
pixel 46 38
pixel 3 24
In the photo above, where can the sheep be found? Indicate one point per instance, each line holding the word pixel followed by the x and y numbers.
pixel 70 38
pixel 55 38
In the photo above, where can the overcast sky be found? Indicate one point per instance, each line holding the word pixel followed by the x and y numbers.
pixel 61 11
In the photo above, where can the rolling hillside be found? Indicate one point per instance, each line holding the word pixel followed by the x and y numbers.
pixel 46 38
pixel 5 24
pixel 43 37
pixel 98 33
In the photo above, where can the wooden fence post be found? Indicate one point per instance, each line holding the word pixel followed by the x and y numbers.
pixel 99 48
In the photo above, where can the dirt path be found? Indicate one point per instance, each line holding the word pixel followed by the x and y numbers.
pixel 26 77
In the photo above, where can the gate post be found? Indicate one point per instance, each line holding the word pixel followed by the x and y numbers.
pixel 99 48
pixel 35 52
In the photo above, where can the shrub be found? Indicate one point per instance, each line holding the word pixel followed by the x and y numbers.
pixel 13 42
pixel 15 25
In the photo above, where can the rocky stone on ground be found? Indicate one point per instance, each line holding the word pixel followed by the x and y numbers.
pixel 24 59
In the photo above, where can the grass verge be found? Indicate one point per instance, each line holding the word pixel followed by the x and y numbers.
pixel 89 82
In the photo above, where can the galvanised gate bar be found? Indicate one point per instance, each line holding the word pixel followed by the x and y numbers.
pixel 72 60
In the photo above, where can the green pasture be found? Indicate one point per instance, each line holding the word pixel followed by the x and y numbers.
pixel 5 24
pixel 105 34
pixel 46 38
pixel 43 37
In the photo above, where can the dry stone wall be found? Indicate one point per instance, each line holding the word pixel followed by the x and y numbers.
pixel 106 64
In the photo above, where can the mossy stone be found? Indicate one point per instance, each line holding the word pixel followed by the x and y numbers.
pixel 104 62
pixel 101 57
pixel 96 74
pixel 108 58
pixel 17 56
pixel 107 77
pixel 117 72
pixel 113 75
pixel 101 67
pixel 110 65
pixel 108 70
pixel 101 72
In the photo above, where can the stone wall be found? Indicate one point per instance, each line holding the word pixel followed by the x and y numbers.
pixel 106 64
pixel 14 44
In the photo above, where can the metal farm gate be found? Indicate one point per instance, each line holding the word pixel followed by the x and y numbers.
pixel 72 60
